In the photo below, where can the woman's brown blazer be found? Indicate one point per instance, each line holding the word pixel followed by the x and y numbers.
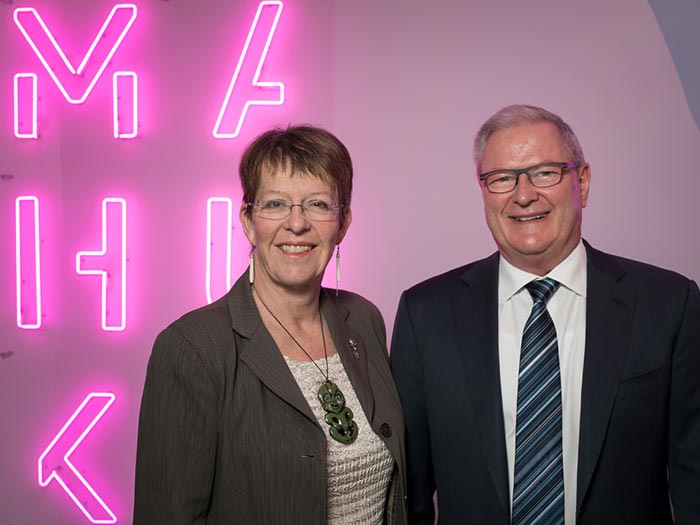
pixel 225 434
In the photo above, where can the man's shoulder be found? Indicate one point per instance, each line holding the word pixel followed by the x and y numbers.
pixel 636 272
pixel 455 279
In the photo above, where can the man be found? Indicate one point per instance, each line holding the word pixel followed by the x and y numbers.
pixel 549 382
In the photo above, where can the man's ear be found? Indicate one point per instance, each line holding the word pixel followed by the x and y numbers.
pixel 584 182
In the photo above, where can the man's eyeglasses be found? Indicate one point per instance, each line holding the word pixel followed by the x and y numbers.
pixel 313 209
pixel 540 176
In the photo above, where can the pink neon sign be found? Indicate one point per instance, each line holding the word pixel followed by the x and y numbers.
pixel 246 89
pixel 28 262
pixel 75 84
pixel 110 264
pixel 55 463
pixel 125 104
pixel 219 230
pixel 25 101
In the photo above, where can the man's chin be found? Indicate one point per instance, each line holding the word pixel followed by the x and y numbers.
pixel 532 258
pixel 532 249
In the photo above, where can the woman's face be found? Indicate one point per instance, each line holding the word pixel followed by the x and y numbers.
pixel 292 252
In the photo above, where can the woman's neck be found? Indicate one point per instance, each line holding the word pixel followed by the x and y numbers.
pixel 294 308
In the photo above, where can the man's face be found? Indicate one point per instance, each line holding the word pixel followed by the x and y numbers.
pixel 535 228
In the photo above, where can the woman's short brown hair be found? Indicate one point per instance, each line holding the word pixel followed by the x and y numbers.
pixel 303 150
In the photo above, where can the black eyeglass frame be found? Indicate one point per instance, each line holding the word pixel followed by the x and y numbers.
pixel 565 166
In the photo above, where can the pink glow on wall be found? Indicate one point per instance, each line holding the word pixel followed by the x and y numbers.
pixel 25 106
pixel 55 464
pixel 28 262
pixel 75 84
pixel 110 264
pixel 125 104
pixel 246 89
pixel 219 230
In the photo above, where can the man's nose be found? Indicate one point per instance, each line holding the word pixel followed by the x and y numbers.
pixel 524 192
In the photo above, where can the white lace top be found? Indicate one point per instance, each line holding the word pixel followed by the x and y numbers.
pixel 359 473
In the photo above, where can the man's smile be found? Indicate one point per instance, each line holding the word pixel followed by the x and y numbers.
pixel 530 217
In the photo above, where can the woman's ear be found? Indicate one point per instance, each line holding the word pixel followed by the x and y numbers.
pixel 247 223
pixel 347 220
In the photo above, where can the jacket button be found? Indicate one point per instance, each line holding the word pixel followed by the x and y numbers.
pixel 385 429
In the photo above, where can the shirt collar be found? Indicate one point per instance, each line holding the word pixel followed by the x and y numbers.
pixel 571 273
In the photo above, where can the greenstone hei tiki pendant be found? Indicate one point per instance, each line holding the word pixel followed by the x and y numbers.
pixel 338 416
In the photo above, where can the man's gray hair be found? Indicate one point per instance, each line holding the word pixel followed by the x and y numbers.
pixel 517 115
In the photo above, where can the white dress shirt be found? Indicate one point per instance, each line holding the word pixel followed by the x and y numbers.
pixel 567 307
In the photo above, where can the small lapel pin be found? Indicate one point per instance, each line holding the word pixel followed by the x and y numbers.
pixel 353 347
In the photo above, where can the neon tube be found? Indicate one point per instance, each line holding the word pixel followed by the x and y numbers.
pixel 28 262
pixel 246 89
pixel 218 249
pixel 125 104
pixel 55 462
pixel 95 60
pixel 25 106
pixel 110 264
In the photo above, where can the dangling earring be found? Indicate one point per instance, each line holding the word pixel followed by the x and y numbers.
pixel 337 269
pixel 251 268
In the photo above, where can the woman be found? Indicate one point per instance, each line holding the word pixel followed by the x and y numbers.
pixel 275 404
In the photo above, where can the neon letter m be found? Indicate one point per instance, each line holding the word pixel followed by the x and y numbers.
pixel 75 84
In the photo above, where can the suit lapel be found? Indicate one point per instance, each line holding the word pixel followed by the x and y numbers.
pixel 264 359
pixel 476 319
pixel 351 348
pixel 260 353
pixel 609 312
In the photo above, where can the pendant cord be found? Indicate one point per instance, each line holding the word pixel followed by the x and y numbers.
pixel 323 336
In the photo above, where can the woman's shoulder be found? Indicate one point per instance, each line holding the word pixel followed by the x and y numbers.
pixel 205 331
pixel 212 320
pixel 200 346
pixel 354 303
pixel 361 314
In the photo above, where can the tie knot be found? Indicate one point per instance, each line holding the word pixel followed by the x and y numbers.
pixel 542 289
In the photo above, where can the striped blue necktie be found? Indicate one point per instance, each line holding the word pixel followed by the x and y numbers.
pixel 538 485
